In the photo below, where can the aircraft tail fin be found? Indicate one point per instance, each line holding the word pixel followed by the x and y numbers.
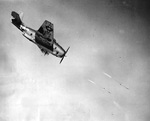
pixel 64 55
pixel 17 19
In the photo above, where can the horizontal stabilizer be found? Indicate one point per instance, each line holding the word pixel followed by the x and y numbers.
pixel 21 16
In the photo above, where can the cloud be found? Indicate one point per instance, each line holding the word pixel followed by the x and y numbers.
pixel 103 38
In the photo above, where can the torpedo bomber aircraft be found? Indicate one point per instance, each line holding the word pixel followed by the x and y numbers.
pixel 43 37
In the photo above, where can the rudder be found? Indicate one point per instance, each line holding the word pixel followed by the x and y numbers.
pixel 16 20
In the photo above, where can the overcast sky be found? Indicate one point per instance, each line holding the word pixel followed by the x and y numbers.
pixel 105 76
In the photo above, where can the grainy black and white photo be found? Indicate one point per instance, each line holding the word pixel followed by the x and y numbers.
pixel 74 60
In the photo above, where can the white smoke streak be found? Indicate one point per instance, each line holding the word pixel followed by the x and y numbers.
pixel 107 75
pixel 117 105
pixel 92 82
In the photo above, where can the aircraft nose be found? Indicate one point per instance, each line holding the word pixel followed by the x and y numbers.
pixel 61 53
pixel 59 50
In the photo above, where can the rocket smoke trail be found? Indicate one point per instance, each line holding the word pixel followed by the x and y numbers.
pixel 100 87
pixel 115 80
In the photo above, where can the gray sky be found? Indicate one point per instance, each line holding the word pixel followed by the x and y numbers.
pixel 109 43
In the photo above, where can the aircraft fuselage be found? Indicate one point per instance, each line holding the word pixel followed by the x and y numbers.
pixel 37 38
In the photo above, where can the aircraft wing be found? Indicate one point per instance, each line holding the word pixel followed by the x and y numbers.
pixel 47 30
pixel 43 50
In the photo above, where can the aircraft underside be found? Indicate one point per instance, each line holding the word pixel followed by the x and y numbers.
pixel 44 45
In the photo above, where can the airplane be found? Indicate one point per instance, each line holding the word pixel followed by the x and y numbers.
pixel 43 37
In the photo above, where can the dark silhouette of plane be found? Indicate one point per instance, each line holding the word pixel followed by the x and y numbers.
pixel 43 37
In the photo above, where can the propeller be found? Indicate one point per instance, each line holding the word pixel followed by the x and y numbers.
pixel 64 55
